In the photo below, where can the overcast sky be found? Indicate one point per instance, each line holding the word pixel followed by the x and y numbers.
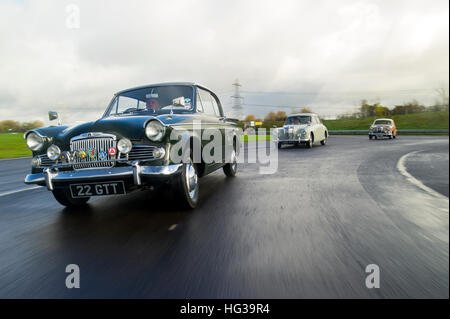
pixel 326 55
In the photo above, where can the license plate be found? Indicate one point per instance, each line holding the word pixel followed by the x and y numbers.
pixel 97 189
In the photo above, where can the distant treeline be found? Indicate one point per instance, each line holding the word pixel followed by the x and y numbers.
pixel 368 110
pixel 9 126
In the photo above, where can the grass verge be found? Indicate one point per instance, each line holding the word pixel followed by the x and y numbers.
pixel 13 145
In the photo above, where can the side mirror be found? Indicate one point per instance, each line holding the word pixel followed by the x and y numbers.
pixel 52 115
pixel 179 101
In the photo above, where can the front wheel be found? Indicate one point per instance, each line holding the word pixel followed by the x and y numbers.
pixel 309 144
pixel 324 141
pixel 64 197
pixel 230 169
pixel 186 186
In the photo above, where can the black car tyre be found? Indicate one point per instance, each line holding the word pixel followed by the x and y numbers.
pixel 279 145
pixel 309 144
pixel 370 137
pixel 64 197
pixel 230 169
pixel 186 186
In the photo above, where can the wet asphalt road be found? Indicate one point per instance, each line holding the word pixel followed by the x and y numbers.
pixel 307 231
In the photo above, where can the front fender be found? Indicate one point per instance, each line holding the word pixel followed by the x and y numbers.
pixel 48 133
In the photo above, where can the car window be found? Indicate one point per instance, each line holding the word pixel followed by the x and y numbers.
pixel 297 120
pixel 382 122
pixel 153 99
pixel 207 103
pixel 199 103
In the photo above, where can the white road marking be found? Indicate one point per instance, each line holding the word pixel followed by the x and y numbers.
pixel 19 190
pixel 402 169
pixel 14 158
pixel 172 227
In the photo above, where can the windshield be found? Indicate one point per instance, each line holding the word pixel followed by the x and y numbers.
pixel 296 120
pixel 153 100
pixel 382 122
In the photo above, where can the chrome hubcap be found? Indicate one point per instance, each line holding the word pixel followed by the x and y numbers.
pixel 191 179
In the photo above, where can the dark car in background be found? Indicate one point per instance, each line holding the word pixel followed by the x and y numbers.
pixel 129 147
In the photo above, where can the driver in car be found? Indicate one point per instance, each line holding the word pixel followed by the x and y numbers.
pixel 152 104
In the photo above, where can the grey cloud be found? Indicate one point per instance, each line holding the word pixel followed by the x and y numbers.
pixel 317 47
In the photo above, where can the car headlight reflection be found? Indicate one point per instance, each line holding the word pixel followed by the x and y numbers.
pixel 155 131
pixel 34 141
pixel 53 152
pixel 124 146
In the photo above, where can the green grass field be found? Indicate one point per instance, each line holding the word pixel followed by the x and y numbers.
pixel 13 145
pixel 254 138
pixel 428 120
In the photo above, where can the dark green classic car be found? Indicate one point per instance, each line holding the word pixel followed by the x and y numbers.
pixel 161 134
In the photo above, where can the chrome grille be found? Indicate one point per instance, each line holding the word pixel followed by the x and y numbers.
pixel 140 152
pixel 100 144
pixel 45 161
pixel 288 133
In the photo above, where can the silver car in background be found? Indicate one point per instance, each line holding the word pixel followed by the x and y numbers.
pixel 301 129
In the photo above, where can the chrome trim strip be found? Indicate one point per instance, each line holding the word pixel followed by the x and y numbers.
pixel 92 135
pixel 50 176
pixel 161 170
pixel 34 179
pixel 34 131
pixel 122 161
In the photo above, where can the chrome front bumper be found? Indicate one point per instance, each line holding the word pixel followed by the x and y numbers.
pixel 138 172
pixel 380 134
pixel 292 140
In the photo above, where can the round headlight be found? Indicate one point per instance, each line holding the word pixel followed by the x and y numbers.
pixel 34 141
pixel 159 152
pixel 124 146
pixel 155 131
pixel 53 152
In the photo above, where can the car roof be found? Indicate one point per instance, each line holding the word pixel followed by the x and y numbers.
pixel 164 84
pixel 384 120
